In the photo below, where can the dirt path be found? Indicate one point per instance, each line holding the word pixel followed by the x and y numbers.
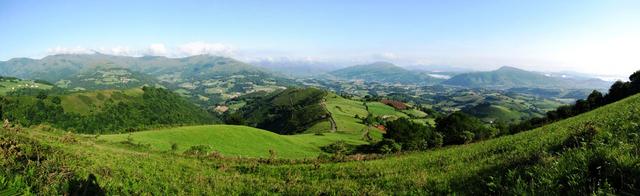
pixel 332 121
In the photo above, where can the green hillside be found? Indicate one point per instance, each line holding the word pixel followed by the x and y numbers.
pixel 492 113
pixel 106 78
pixel 10 84
pixel 232 140
pixel 588 153
pixel 380 109
pixel 287 111
pixel 384 72
pixel 344 111
pixel 94 101
pixel 106 111
pixel 510 77
pixel 57 67
pixel 204 79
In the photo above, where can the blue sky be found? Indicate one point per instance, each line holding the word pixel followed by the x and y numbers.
pixel 590 36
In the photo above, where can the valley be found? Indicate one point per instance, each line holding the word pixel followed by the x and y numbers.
pixel 207 125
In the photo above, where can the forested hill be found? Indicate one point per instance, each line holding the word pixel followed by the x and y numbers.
pixel 117 112
pixel 509 77
pixel 384 72
pixel 57 67
pixel 288 111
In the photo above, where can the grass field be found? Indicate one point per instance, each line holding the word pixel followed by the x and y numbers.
pixel 230 140
pixel 416 113
pixel 380 109
pixel 8 85
pixel 344 112
pixel 541 161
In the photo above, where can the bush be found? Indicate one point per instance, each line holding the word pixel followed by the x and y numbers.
pixel 174 147
pixel 338 147
pixel 388 146
pixel 467 136
pixel 198 150
pixel 437 140
pixel 68 138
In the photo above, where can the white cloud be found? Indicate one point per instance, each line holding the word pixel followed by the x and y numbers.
pixel 197 48
pixel 122 51
pixel 385 56
pixel 157 50
pixel 64 50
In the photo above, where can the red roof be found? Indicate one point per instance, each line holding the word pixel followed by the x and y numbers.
pixel 395 104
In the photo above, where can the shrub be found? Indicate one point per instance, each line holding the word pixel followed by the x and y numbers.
pixel 584 136
pixel 437 140
pixel 197 150
pixel 388 146
pixel 174 147
pixel 68 138
pixel 338 147
pixel 467 136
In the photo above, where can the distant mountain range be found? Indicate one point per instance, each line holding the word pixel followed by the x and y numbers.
pixel 511 77
pixel 203 78
pixel 385 72
pixel 299 68
pixel 212 79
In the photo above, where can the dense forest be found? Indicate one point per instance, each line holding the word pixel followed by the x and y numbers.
pixel 156 107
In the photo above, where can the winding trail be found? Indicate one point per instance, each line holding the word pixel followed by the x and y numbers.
pixel 332 121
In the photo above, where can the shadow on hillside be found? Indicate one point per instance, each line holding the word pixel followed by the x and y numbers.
pixel 87 186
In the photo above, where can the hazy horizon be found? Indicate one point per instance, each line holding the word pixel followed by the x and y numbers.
pixel 592 37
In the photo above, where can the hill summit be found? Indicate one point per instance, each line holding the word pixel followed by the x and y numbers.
pixel 509 77
pixel 384 72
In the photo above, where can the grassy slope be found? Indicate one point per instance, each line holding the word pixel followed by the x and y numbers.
pixel 380 109
pixel 232 140
pixel 12 85
pixel 344 112
pixel 457 169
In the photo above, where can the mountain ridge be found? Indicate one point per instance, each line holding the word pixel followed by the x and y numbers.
pixel 508 77
pixel 384 72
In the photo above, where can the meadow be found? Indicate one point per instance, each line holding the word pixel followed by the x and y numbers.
pixel 232 141
pixel 9 85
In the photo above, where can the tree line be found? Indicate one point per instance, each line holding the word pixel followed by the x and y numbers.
pixel 403 134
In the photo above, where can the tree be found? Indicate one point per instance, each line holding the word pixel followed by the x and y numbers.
pixel 411 135
pixel 56 100
pixel 369 120
pixel 234 119
pixel 595 99
pixel 437 140
pixel 387 146
pixel 635 81
pixel 635 77
pixel 581 106
pixel 41 95
pixel 618 91
pixel 457 126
